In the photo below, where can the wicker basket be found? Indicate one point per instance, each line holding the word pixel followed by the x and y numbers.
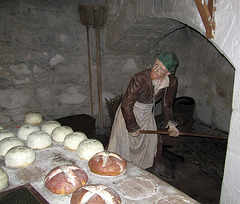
pixel 82 123
pixel 112 106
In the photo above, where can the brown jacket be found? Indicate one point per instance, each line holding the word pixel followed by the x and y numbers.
pixel 141 89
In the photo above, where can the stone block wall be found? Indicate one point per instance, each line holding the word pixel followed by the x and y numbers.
pixel 156 26
pixel 43 60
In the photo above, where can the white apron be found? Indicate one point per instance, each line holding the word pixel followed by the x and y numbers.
pixel 139 150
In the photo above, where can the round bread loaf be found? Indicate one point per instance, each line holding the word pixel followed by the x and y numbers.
pixel 88 147
pixel 5 134
pixel 107 164
pixel 92 194
pixel 49 126
pixel 73 139
pixel 19 156
pixel 33 118
pixel 39 140
pixel 8 143
pixel 59 133
pixel 26 130
pixel 65 179
pixel 3 179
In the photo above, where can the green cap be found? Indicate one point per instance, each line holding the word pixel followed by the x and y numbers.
pixel 169 60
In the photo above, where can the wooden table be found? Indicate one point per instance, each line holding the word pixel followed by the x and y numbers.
pixel 134 186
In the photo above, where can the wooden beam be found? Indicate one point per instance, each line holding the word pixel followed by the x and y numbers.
pixel 207 14
pixel 210 7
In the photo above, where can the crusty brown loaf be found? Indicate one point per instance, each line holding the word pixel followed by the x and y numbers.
pixel 93 194
pixel 107 164
pixel 65 179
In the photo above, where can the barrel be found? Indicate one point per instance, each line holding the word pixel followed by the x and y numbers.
pixel 184 105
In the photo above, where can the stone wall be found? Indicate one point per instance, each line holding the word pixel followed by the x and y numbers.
pixel 203 74
pixel 150 28
pixel 44 62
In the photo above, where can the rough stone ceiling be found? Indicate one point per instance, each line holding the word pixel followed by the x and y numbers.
pixel 142 36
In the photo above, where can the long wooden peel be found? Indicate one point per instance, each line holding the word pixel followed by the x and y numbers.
pixel 184 134
pixel 89 71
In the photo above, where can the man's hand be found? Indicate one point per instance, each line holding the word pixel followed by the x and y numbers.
pixel 174 131
pixel 172 128
pixel 135 134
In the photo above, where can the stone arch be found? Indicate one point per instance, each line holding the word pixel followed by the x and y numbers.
pixel 226 40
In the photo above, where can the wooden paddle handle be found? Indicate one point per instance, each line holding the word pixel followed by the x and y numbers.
pixel 184 134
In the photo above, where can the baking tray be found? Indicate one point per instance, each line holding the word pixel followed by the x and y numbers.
pixel 25 194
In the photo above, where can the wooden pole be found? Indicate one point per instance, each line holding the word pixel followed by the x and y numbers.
pixel 184 134
pixel 99 78
pixel 89 71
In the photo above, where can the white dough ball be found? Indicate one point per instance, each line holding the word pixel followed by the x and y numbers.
pixel 89 147
pixel 73 139
pixel 39 140
pixel 19 156
pixel 33 118
pixel 5 134
pixel 3 179
pixel 49 126
pixel 8 143
pixel 59 133
pixel 26 130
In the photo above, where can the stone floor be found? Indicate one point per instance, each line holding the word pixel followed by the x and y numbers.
pixel 193 165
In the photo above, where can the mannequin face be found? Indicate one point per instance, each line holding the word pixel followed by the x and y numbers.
pixel 159 70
